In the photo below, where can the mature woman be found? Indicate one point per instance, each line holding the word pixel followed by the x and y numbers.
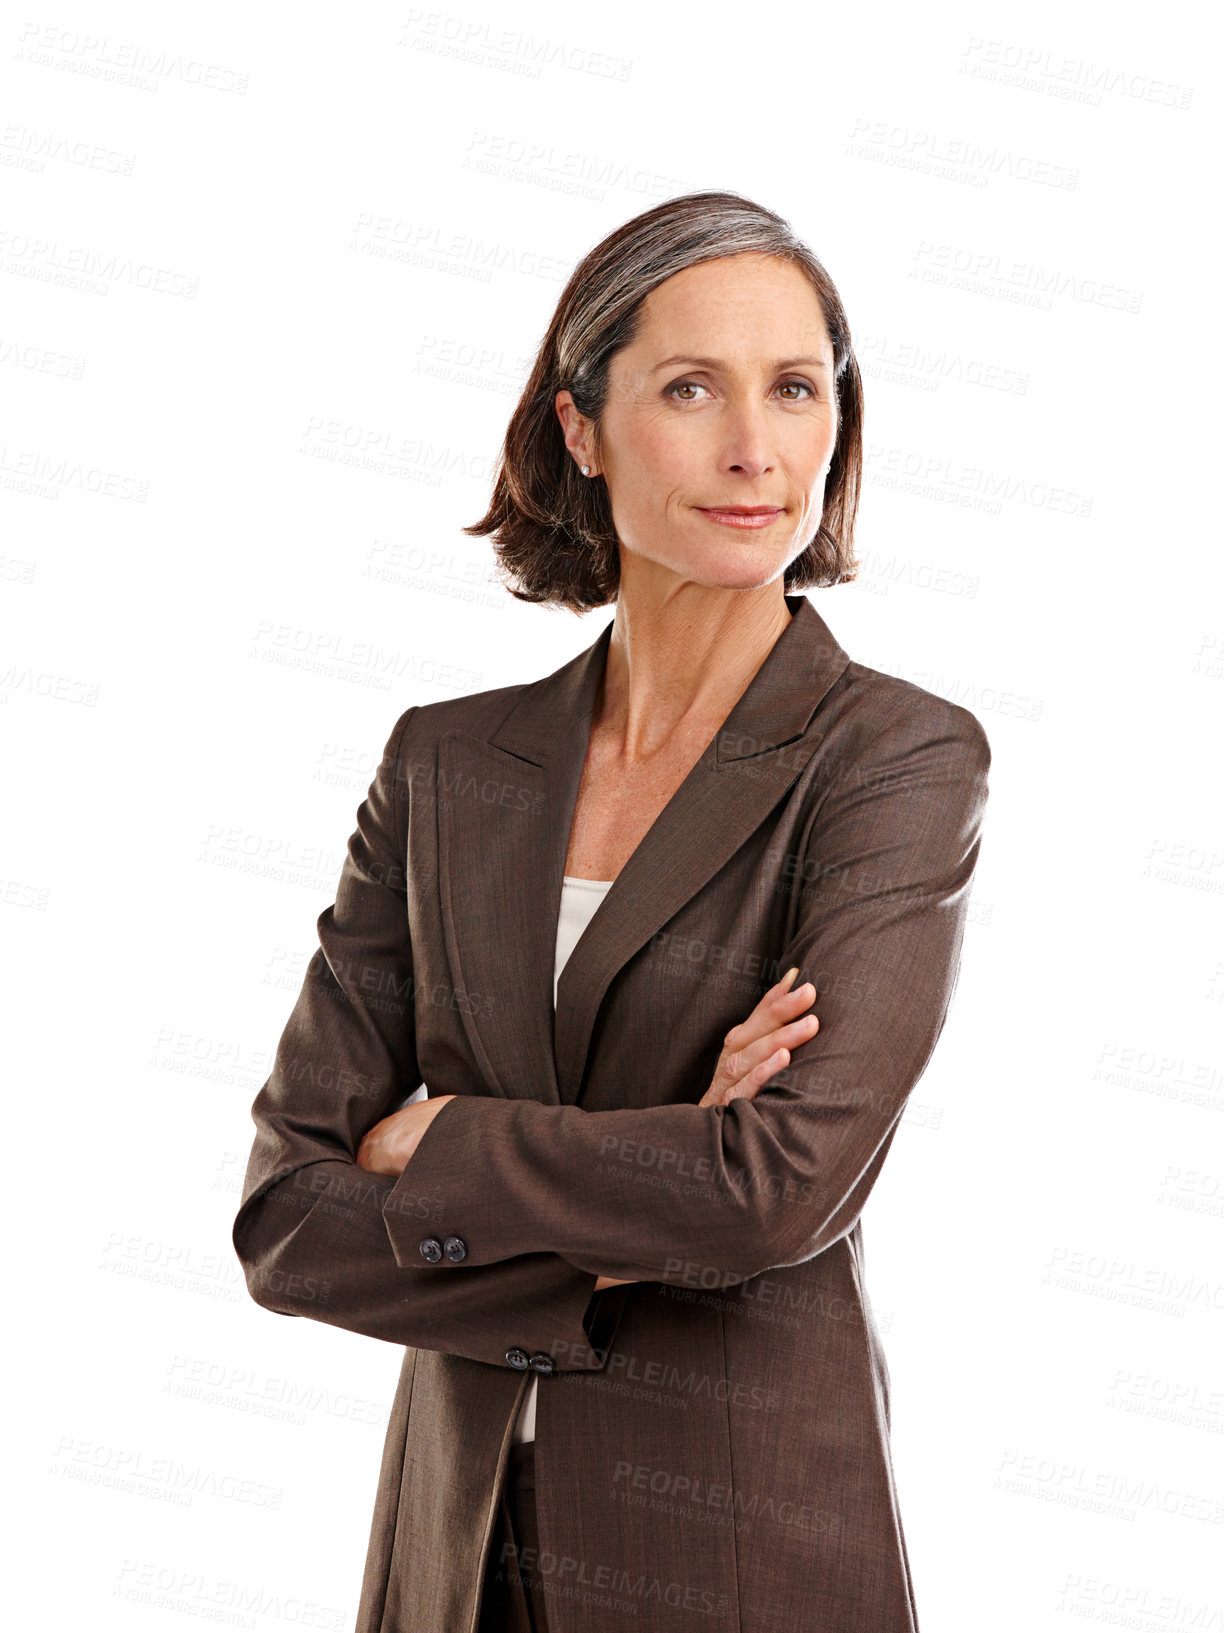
pixel 664 940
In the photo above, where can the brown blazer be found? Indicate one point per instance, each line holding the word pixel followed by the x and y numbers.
pixel 712 1443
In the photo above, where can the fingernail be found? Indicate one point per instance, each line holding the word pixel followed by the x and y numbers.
pixel 790 976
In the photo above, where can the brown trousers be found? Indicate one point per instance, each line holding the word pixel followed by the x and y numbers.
pixel 513 1598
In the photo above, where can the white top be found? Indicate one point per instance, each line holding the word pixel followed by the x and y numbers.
pixel 579 899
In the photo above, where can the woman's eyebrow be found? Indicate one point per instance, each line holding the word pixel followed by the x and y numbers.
pixel 717 362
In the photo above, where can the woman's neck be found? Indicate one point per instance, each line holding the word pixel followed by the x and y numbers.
pixel 677 666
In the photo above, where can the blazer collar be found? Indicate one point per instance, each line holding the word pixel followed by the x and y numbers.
pixel 502 853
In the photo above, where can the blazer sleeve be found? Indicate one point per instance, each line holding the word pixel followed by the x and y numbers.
pixel 313 1230
pixel 883 886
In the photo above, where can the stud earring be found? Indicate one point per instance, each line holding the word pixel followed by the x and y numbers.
pixel 586 470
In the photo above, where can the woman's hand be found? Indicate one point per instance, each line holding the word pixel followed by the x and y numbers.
pixel 760 1046
pixel 387 1147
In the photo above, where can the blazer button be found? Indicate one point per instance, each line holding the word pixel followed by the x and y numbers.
pixel 542 1362
pixel 518 1358
pixel 456 1248
pixel 431 1249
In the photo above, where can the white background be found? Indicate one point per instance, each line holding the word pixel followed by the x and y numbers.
pixel 269 286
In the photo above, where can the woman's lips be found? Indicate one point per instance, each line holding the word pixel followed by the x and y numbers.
pixel 742 518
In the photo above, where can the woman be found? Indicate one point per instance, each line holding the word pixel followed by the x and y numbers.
pixel 619 1239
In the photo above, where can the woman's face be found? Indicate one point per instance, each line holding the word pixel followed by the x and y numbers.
pixel 725 398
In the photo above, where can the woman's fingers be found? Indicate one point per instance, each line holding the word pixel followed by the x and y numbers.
pixel 748 1086
pixel 760 1046
pixel 724 1089
pixel 778 1005
pixel 738 1064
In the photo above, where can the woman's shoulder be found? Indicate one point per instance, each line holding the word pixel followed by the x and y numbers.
pixel 873 704
pixel 477 713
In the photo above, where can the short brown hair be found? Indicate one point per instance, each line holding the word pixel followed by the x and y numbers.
pixel 554 537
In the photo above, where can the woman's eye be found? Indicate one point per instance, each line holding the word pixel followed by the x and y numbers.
pixel 696 385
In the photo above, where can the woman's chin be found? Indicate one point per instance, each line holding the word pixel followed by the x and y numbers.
pixel 741 565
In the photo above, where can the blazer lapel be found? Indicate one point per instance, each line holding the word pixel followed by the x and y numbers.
pixel 506 808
